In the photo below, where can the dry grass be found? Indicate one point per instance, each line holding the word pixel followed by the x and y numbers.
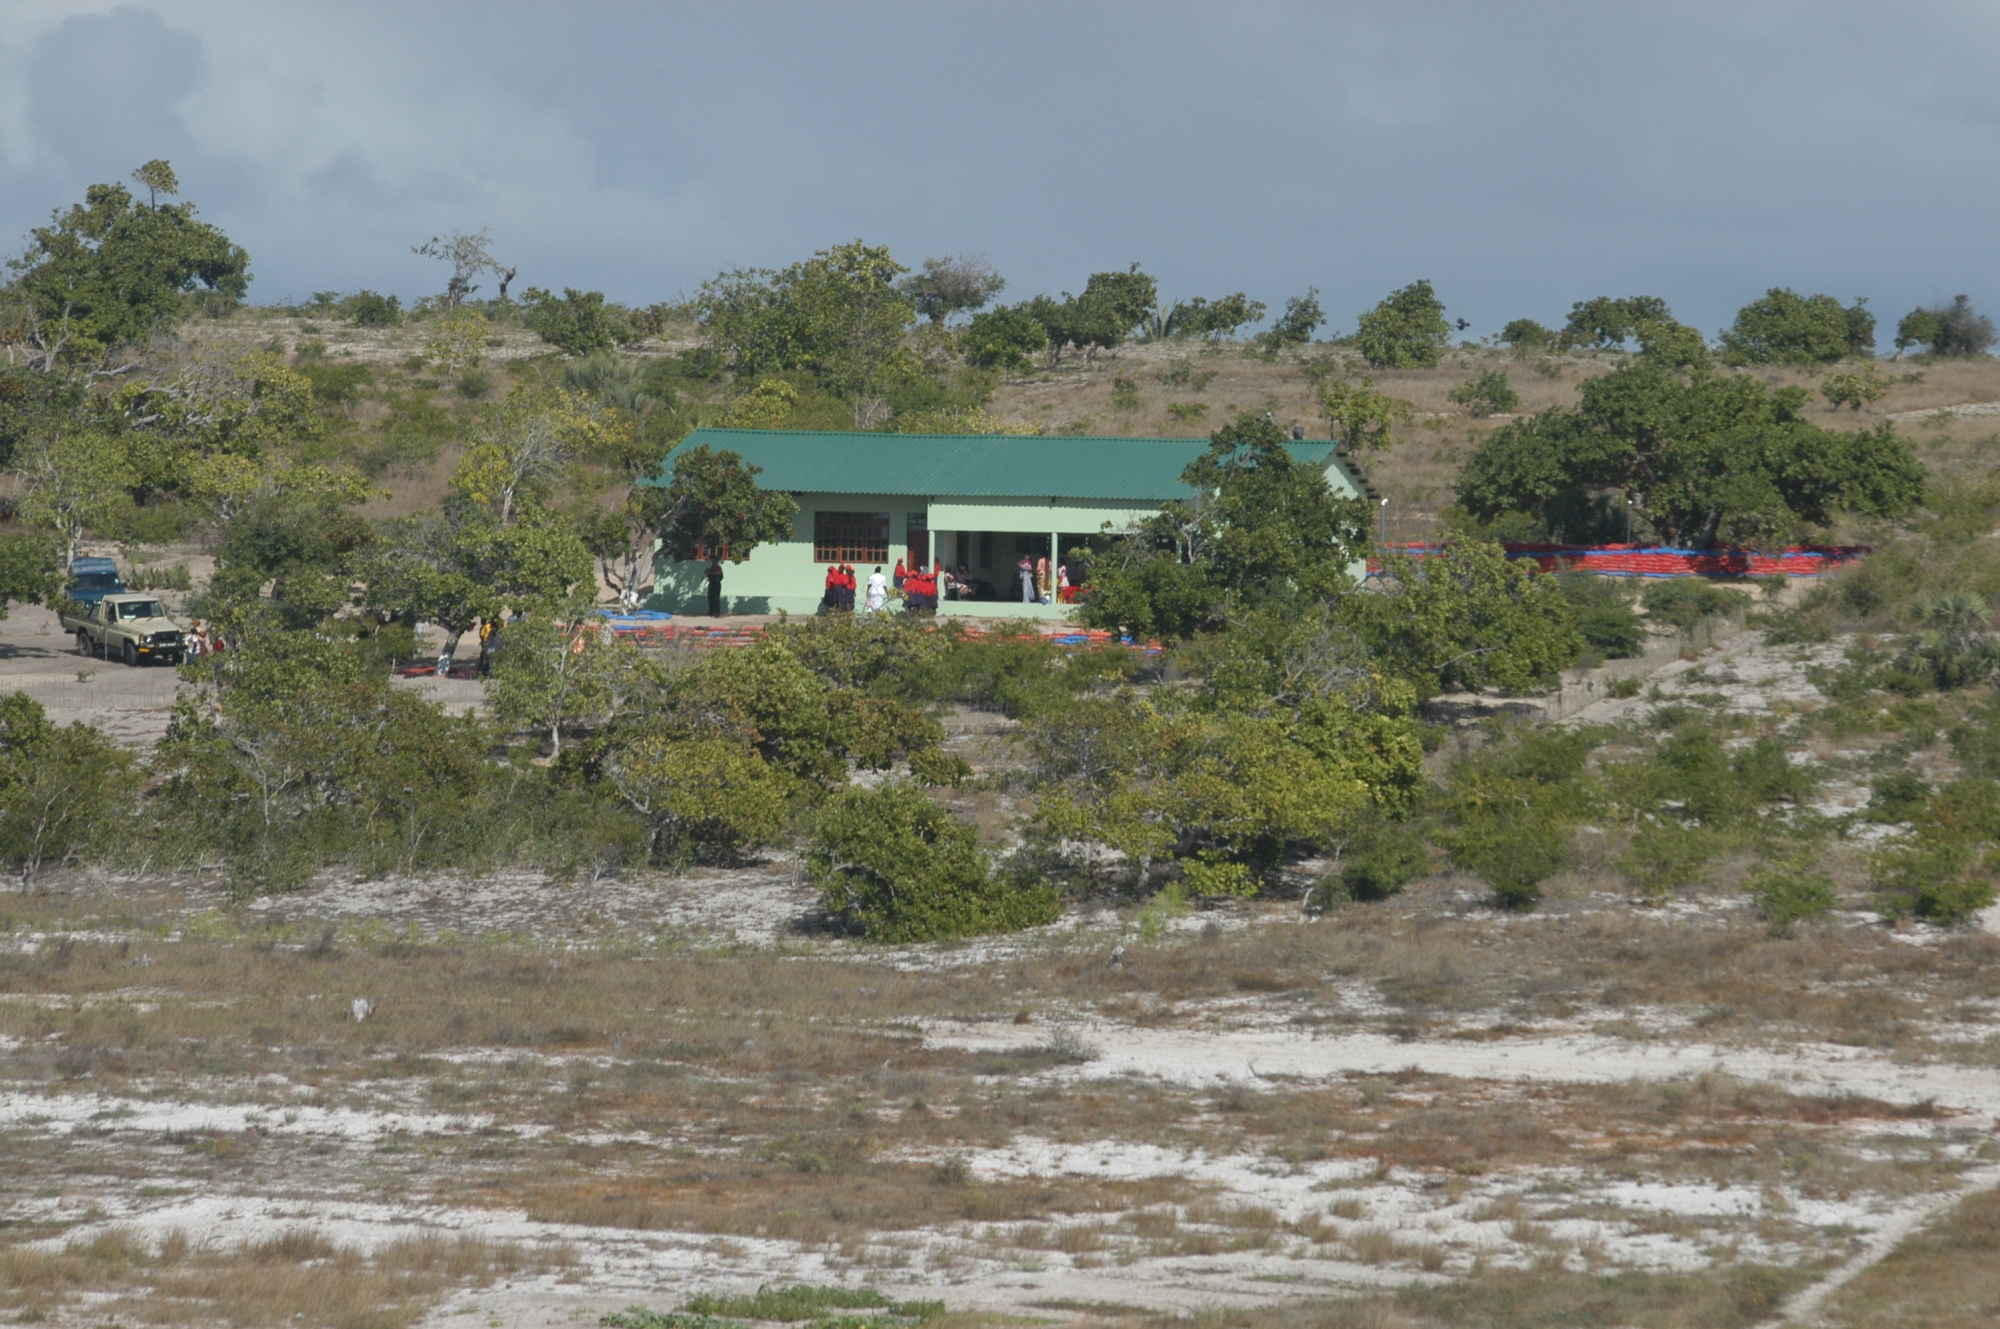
pixel 293 1277
pixel 1545 1298
pixel 1416 474
pixel 1946 1276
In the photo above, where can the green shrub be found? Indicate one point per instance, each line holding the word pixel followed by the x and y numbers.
pixel 1790 894
pixel 336 384
pixel 1525 336
pixel 166 521
pixel 1381 858
pixel 1489 394
pixel 1685 602
pixel 1604 613
pixel 1005 338
pixel 1407 330
pixel 1898 797
pixel 578 322
pixel 370 310
pixel 802 1302
pixel 1943 880
pixel 1854 388
pixel 1511 810
pixel 1295 326
pixel 1513 851
pixel 1955 329
pixel 1786 328
pixel 62 787
pixel 898 867
pixel 1667 855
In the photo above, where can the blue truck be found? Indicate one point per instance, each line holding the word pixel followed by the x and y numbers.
pixel 91 579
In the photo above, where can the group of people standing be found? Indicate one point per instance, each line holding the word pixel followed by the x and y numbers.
pixel 920 588
pixel 842 586
pixel 198 641
pixel 1036 584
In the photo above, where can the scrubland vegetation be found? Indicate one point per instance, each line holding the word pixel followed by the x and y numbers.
pixel 1468 804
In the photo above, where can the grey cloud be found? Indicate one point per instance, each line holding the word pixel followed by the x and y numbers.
pixel 98 83
pixel 1520 156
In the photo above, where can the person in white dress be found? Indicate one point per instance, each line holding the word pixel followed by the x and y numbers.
pixel 878 591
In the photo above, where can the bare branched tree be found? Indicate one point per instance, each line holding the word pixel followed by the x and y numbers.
pixel 468 256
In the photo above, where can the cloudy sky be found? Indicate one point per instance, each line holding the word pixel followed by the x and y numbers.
pixel 1521 156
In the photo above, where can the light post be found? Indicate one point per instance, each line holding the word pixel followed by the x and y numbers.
pixel 1385 523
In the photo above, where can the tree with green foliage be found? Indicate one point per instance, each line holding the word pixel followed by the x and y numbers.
pixel 112 272
pixel 895 866
pixel 1468 618
pixel 61 788
pixel 556 670
pixel 578 323
pixel 1785 327
pixel 525 441
pixel 1407 330
pixel 298 534
pixel 1525 335
pixel 1363 417
pixel 1218 319
pixel 289 751
pixel 455 573
pixel 698 796
pixel 1509 811
pixel 1302 317
pixel 1604 322
pixel 1378 856
pixel 837 315
pixel 1704 457
pixel 31 571
pixel 1488 394
pixel 711 507
pixel 1007 338
pixel 1956 329
pixel 70 477
pixel 1111 306
pixel 1261 530
pixel 947 286
pixel 203 423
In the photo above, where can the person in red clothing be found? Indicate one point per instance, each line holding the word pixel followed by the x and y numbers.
pixel 849 583
pixel 902 575
pixel 829 599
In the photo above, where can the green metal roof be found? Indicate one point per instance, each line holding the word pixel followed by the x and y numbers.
pixel 971 465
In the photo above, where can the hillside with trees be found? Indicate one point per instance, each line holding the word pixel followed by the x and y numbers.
pixel 785 941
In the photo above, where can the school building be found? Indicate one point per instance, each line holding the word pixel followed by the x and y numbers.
pixel 980 501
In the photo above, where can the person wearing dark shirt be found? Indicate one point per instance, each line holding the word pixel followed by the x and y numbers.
pixel 714 588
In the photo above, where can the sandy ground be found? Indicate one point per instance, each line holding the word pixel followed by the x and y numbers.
pixel 131 704
pixel 1615 1217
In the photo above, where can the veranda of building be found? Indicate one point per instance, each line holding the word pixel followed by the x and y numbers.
pixel 977 500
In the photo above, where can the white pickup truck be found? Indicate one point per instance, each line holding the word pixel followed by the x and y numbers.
pixel 132 628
